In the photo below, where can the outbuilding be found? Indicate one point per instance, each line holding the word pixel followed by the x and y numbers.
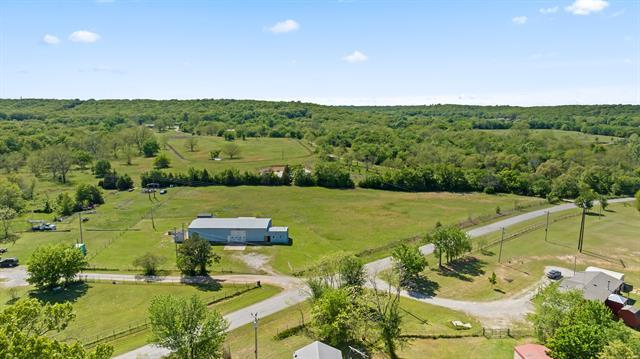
pixel 238 230
pixel 615 302
pixel 630 315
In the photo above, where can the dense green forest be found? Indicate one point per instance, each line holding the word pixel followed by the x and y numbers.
pixel 412 148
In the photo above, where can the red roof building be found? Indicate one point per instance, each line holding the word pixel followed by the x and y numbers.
pixel 530 351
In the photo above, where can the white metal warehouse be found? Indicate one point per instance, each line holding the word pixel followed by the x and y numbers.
pixel 239 230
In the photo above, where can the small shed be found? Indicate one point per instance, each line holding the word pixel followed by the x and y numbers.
pixel 630 315
pixel 530 351
pixel 317 350
pixel 615 302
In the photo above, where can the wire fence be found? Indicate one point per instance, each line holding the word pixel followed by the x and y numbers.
pixel 134 327
pixel 418 238
pixel 527 229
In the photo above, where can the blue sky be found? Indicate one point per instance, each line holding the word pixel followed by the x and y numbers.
pixel 331 52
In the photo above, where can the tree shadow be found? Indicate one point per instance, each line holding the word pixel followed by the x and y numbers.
pixel 595 214
pixel 422 287
pixel 464 268
pixel 69 293
pixel 204 284
pixel 488 253
pixel 499 290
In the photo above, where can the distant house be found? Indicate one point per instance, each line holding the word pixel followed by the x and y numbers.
pixel 238 230
pixel 530 351
pixel 317 350
pixel 594 285
pixel 630 315
pixel 278 171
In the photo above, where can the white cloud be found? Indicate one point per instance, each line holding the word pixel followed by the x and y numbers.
pixel 617 13
pixel 355 57
pixel 284 27
pixel 549 10
pixel 84 36
pixel 51 39
pixel 108 69
pixel 520 20
pixel 543 55
pixel 586 7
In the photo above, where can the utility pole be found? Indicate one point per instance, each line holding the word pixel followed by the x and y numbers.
pixel 80 222
pixel 255 330
pixel 546 229
pixel 501 241
pixel 581 235
pixel 175 239
pixel 153 222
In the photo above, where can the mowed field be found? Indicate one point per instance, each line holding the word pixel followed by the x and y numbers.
pixel 612 241
pixel 321 221
pixel 100 311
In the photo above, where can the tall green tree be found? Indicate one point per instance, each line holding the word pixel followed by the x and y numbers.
pixel 25 329
pixel 149 262
pixel 551 306
pixel 187 327
pixel 388 320
pixel 51 263
pixel 336 317
pixel 451 241
pixel 409 263
pixel 150 147
pixel 6 216
pixel 195 255
pixel 11 196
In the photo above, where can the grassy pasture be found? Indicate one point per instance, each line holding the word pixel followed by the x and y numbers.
pixel 99 306
pixel 255 153
pixel 321 221
pixel 609 240
pixel 434 321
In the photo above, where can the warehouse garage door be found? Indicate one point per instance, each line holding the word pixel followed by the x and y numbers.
pixel 237 237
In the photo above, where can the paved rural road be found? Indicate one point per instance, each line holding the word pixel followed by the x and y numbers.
pixel 295 291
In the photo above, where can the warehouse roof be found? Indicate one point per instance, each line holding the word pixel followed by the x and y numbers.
pixel 231 223
pixel 278 229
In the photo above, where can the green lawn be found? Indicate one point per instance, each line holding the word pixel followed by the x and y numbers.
pixel 255 153
pixel 240 341
pixel 609 240
pixel 103 307
pixel 476 348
